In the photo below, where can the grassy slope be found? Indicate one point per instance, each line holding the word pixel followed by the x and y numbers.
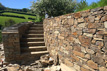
pixel 26 16
pixel 17 20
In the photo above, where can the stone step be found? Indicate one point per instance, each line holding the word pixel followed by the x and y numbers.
pixel 35 53
pixel 33 35
pixel 29 44
pixel 32 39
pixel 34 32
pixel 40 52
pixel 32 49
pixel 35 28
pixel 37 25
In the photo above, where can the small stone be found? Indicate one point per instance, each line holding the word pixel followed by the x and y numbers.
pixel 105 7
pixel 60 37
pixel 68 63
pixel 87 56
pixel 77 15
pixel 83 49
pixel 90 51
pixel 88 35
pixel 66 68
pixel 92 25
pixel 82 25
pixel 84 69
pixel 85 41
pixel 105 24
pixel 104 18
pixel 70 21
pixel 80 20
pixel 91 18
pixel 84 14
pixel 77 67
pixel 92 64
pixel 47 69
pixel 98 18
pixel 102 69
pixel 78 53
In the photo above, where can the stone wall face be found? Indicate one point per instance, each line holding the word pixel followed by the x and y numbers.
pixel 79 39
pixel 11 40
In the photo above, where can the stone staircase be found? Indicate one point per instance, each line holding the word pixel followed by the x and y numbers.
pixel 32 42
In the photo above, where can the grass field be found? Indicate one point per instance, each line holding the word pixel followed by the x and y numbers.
pixel 26 16
pixel 17 20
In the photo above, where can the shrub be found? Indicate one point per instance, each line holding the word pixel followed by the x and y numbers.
pixel 39 19
pixel 9 22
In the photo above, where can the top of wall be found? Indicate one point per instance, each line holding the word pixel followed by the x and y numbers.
pixel 79 14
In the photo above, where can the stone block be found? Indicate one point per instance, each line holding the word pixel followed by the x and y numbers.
pixel 84 69
pixel 78 53
pixel 80 20
pixel 105 7
pixel 91 18
pixel 105 24
pixel 77 15
pixel 66 68
pixel 104 18
pixel 86 41
pixel 92 64
pixel 92 25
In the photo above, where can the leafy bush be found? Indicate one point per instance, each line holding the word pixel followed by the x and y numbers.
pixel 39 19
pixel 9 22
pixel 81 5
pixel 53 7
pixel 100 3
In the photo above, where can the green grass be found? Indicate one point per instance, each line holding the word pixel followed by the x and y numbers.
pixel 100 3
pixel 26 16
pixel 17 20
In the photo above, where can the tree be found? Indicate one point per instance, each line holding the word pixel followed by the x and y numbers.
pixel 53 7
pixel 81 5
pixel 25 10
pixel 2 7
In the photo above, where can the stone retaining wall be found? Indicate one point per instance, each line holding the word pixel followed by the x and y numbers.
pixel 79 39
pixel 11 40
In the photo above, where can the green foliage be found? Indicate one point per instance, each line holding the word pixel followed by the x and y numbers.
pixel 81 5
pixel 100 3
pixel 9 22
pixel 53 7
pixel 39 19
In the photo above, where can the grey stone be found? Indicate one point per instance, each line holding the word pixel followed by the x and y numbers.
pixel 105 24
pixel 91 18
pixel 82 25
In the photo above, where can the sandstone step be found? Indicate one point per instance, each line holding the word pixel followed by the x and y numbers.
pixel 31 49
pixel 37 25
pixel 40 52
pixel 28 44
pixel 35 53
pixel 32 39
pixel 35 30
pixel 33 35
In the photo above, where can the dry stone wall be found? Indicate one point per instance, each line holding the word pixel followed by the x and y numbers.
pixel 79 39
pixel 11 40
